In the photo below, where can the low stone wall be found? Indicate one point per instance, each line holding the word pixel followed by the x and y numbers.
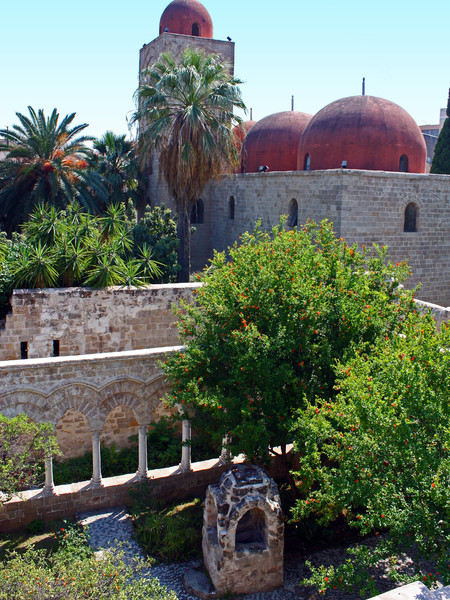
pixel 85 321
pixel 169 484
pixel 439 313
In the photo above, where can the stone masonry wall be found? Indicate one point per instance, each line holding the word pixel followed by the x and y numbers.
pixel 365 207
pixel 169 484
pixel 86 321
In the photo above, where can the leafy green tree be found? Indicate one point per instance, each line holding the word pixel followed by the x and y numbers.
pixel 69 248
pixel 186 115
pixel 379 452
pixel 267 328
pixel 46 162
pixel 441 159
pixel 114 159
pixel 155 237
pixel 23 447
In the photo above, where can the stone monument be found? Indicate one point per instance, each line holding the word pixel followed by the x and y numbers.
pixel 243 532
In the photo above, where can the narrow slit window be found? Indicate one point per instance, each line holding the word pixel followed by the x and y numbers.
pixel 197 213
pixel 196 29
pixel 55 347
pixel 307 163
pixel 231 205
pixel 23 350
pixel 403 164
pixel 293 213
pixel 411 218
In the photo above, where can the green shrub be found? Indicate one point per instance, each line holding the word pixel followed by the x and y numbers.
pixel 168 533
pixel 73 572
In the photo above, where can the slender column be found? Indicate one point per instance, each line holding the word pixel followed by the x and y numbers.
pixel 186 449
pixel 96 460
pixel 143 465
pixel 225 453
pixel 49 486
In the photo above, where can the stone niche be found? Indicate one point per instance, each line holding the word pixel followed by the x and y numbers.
pixel 243 532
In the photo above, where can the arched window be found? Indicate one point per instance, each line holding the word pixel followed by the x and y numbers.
pixel 307 163
pixel 411 217
pixel 196 29
pixel 197 213
pixel 251 530
pixel 231 205
pixel 293 213
pixel 403 164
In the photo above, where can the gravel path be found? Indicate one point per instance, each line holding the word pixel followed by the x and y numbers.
pixel 108 528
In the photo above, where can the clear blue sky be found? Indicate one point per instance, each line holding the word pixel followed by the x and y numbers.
pixel 83 56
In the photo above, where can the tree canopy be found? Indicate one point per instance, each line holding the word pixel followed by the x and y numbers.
pixel 23 447
pixel 46 162
pixel 441 159
pixel 268 327
pixel 186 117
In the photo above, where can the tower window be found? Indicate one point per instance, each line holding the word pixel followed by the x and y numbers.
pixel 23 350
pixel 231 205
pixel 196 29
pixel 197 213
pixel 411 215
pixel 403 164
pixel 307 163
pixel 55 347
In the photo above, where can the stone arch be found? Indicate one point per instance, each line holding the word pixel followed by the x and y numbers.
pixel 15 404
pixel 245 506
pixel 125 392
pixel 154 392
pixel 411 218
pixel 73 434
pixel 251 530
pixel 120 424
pixel 78 396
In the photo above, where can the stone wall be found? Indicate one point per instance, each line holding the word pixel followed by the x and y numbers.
pixel 86 321
pixel 365 207
pixel 169 484
pixel 110 393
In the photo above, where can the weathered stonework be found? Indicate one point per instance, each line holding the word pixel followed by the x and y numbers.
pixel 87 321
pixel 243 532
pixel 364 206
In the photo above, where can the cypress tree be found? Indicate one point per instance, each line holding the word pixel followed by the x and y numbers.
pixel 441 159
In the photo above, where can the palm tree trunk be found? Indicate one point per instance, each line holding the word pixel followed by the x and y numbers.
pixel 184 246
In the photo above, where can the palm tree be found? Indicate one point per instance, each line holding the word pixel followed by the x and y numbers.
pixel 186 114
pixel 47 163
pixel 114 159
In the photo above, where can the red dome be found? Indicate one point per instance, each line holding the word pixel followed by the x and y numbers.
pixel 273 142
pixel 241 131
pixel 367 132
pixel 187 17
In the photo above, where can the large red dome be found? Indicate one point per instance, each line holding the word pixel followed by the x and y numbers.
pixel 363 132
pixel 273 142
pixel 187 17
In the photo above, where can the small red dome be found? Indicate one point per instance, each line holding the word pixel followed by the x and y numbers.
pixel 273 142
pixel 367 133
pixel 241 131
pixel 187 17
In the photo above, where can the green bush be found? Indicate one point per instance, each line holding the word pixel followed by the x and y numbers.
pixel 168 533
pixel 73 572
pixel 380 452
